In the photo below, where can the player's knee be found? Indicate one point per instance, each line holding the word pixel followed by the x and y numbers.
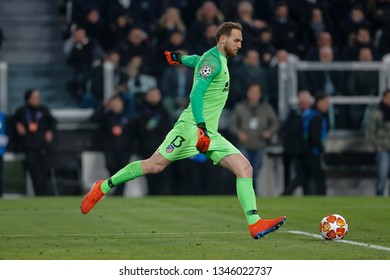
pixel 246 171
pixel 157 168
pixel 153 167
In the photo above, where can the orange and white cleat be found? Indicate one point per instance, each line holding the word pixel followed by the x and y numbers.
pixel 92 197
pixel 263 227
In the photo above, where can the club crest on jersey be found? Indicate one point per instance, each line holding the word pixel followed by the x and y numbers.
pixel 170 148
pixel 205 71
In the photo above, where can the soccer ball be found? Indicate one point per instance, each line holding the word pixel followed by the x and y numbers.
pixel 333 227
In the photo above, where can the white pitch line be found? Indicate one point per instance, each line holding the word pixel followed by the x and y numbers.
pixel 188 233
pixel 343 241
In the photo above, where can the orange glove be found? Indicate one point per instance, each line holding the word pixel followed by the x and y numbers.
pixel 173 58
pixel 203 143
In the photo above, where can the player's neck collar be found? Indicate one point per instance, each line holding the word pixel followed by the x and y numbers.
pixel 220 53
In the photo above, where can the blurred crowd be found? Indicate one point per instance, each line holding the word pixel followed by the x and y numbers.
pixel 149 95
pixel 134 34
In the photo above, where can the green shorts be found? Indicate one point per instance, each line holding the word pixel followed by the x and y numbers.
pixel 180 143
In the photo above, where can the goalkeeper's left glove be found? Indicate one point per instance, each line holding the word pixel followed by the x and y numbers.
pixel 203 143
pixel 173 58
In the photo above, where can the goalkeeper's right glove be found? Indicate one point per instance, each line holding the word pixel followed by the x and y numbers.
pixel 173 58
pixel 203 143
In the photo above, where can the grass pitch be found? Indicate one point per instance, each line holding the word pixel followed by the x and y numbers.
pixel 197 227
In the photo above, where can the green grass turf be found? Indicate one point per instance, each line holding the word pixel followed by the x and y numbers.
pixel 185 228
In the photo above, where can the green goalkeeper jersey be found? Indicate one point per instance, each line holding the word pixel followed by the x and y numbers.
pixel 210 88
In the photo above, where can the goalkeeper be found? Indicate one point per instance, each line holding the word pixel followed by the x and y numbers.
pixel 196 131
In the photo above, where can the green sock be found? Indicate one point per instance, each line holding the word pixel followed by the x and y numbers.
pixel 246 196
pixel 127 173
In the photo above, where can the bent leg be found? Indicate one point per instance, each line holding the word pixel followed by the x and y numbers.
pixel 238 165
pixel 155 164
pixel 241 167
